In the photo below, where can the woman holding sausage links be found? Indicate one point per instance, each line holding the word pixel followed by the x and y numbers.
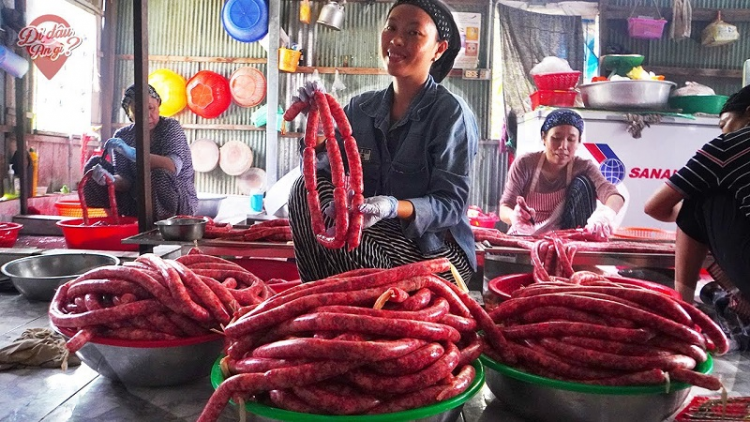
pixel 417 142
pixel 557 189
pixel 709 199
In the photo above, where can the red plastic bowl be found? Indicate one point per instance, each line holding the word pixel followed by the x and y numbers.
pixel 267 269
pixel 9 234
pixel 504 286
pixel 208 94
pixel 99 237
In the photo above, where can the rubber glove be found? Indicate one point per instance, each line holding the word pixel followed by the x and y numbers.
pixel 378 208
pixel 522 216
pixel 601 222
pixel 329 209
pixel 306 93
pixel 117 144
pixel 100 175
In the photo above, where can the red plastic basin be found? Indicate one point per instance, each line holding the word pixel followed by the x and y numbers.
pixel 99 237
pixel 505 285
pixel 9 234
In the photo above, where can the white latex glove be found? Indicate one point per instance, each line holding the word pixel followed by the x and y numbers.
pixel 521 216
pixel 100 175
pixel 601 222
pixel 378 208
pixel 306 92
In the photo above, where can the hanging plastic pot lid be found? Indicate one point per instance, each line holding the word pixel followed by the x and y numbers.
pixel 252 181
pixel 245 20
pixel 205 155
pixel 208 94
pixel 248 86
pixel 171 88
pixel 235 158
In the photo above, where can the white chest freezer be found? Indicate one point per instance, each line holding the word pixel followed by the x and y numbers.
pixel 637 166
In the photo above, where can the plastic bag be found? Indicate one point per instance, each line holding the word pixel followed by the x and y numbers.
pixel 693 88
pixel 259 117
pixel 682 15
pixel 551 64
pixel 719 33
pixel 338 84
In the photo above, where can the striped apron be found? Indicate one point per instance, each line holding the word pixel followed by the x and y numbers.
pixel 548 206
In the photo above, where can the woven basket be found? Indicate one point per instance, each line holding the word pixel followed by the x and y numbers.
pixel 72 208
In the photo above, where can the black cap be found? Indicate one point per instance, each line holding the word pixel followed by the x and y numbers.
pixel 447 30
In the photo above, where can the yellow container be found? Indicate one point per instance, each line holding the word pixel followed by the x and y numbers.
pixel 289 59
pixel 35 170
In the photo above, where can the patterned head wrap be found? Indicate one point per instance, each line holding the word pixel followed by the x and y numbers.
pixel 563 116
pixel 129 98
pixel 447 31
pixel 739 101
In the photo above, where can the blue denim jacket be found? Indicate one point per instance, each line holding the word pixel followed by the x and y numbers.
pixel 436 143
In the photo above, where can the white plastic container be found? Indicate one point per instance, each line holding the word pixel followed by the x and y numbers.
pixel 12 63
pixel 746 73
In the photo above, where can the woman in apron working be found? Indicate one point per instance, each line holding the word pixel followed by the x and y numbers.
pixel 554 189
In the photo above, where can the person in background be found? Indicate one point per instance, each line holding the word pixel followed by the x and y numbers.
pixel 172 174
pixel 559 189
pixel 709 199
pixel 417 141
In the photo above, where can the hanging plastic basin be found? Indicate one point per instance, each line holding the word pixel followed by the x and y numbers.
pixel 208 94
pixel 171 88
pixel 248 86
pixel 245 20
pixel 99 234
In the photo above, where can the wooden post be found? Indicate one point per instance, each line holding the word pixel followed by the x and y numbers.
pixel 142 133
pixel 107 81
pixel 20 91
pixel 603 28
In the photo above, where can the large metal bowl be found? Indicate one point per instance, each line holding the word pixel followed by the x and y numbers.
pixel 182 228
pixel 445 411
pixel 150 363
pixel 546 400
pixel 208 204
pixel 38 277
pixel 634 94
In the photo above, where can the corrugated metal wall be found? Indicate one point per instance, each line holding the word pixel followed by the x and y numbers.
pixel 688 53
pixel 204 36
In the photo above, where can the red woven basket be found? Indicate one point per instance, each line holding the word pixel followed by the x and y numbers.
pixel 561 81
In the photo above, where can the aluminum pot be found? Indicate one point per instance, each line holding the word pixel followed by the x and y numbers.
pixel 633 94
pixel 38 277
pixel 209 204
pixel 522 393
pixel 150 363
pixel 332 15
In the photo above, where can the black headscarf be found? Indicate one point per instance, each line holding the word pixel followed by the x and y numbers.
pixel 739 101
pixel 447 31
pixel 128 99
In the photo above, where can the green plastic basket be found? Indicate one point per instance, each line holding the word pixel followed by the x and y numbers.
pixel 217 377
pixel 709 104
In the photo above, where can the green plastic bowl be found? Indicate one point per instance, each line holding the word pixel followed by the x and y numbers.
pixel 620 64
pixel 273 413
pixel 689 104
pixel 703 367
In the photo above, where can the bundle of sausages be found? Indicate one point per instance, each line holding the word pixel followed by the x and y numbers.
pixel 154 299
pixel 347 192
pixel 363 342
pixel 601 332
pixel 277 230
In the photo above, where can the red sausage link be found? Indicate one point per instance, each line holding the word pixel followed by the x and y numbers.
pixel 79 339
pixel 369 381
pixel 708 326
pixel 549 313
pixel 438 310
pixel 285 399
pixel 581 329
pixel 293 110
pixel 471 351
pixel 649 377
pixel 418 300
pixel 597 358
pixel 417 399
pixel 537 357
pixel 339 350
pixel 695 378
pixel 411 362
pixel 459 383
pixel 337 399
pixel 338 115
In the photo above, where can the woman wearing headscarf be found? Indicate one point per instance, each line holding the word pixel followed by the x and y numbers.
pixel 709 199
pixel 557 189
pixel 172 175
pixel 417 142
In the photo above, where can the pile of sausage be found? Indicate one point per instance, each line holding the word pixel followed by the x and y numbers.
pixel 595 331
pixel 347 191
pixel 363 342
pixel 155 299
pixel 277 230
